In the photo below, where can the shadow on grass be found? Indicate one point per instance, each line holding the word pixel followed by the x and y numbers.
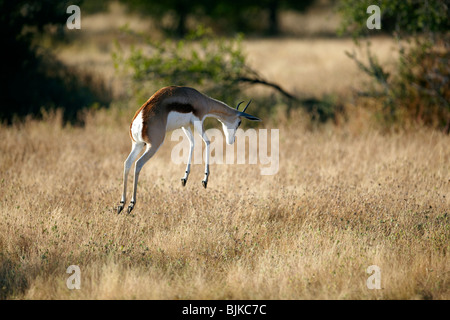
pixel 44 83
pixel 13 280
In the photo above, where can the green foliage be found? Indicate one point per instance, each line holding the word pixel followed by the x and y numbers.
pixel 423 82
pixel 261 16
pixel 215 65
pixel 96 6
pixel 399 17
pixel 179 9
pixel 224 15
pixel 201 60
pixel 419 90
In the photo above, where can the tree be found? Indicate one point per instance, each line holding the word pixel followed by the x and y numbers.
pixel 216 65
pixel 238 15
pixel 31 77
pixel 179 9
pixel 274 7
pixel 263 13
pixel 419 90
pixel 402 19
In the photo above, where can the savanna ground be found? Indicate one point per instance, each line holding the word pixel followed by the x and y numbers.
pixel 345 197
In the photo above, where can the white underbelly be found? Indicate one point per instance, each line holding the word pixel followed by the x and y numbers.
pixel 177 120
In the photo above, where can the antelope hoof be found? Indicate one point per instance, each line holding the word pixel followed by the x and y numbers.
pixel 120 207
pixel 204 183
pixel 183 181
pixel 130 207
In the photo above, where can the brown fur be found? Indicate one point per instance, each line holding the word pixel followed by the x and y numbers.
pixel 179 99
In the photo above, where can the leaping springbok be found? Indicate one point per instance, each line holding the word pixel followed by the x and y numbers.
pixel 172 108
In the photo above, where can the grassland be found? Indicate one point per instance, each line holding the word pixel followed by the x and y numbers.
pixel 345 197
pixel 341 201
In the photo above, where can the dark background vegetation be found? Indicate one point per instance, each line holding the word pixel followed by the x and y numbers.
pixel 32 79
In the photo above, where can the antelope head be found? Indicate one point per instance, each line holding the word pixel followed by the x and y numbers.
pixel 233 121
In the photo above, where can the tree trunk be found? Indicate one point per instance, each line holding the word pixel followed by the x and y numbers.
pixel 181 27
pixel 273 17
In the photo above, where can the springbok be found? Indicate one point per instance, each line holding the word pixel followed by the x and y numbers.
pixel 172 108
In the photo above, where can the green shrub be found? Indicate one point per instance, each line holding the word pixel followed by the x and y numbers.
pixel 210 63
pixel 419 88
pixel 215 65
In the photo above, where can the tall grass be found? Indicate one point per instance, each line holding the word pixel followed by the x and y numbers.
pixel 343 199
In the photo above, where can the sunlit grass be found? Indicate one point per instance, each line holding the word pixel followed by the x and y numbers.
pixel 340 202
pixel 345 197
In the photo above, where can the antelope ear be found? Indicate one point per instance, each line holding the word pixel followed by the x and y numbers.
pixel 249 116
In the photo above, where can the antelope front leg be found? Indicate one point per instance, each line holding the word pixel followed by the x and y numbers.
pixel 188 133
pixel 199 127
pixel 205 179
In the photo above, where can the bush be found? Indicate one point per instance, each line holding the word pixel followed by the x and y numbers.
pixel 216 65
pixel 31 78
pixel 200 60
pixel 423 83
pixel 419 89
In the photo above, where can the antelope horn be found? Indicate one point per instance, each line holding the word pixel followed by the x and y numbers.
pixel 237 107
pixel 247 105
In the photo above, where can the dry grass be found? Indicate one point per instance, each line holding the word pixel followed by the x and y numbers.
pixel 314 67
pixel 341 201
pixel 344 198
